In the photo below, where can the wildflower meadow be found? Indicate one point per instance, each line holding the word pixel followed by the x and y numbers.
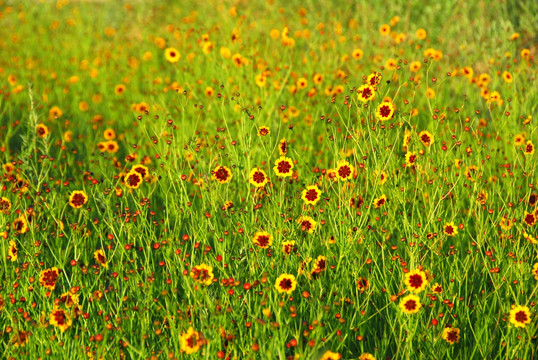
pixel 268 179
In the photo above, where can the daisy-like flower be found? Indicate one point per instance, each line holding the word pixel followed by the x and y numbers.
pixel 311 194
pixel 172 55
pixel 421 34
pixel 366 356
pixel 410 158
pixel 410 304
pixel 381 175
pixel 363 284
pixel 42 130
pixel 111 146
pixel 286 283
pixel 258 177
pixel 264 131
pixel 450 229
pixel 519 139
pixel 288 247
pixel 520 316
pixel 426 138
pixel 119 89
pixel 283 167
pixel 5 205
pixel 109 134
pixel 78 199
pixel 366 93
pixel 380 201
pixel 529 218
pixel 20 225
pixel 357 54
pixel 283 147
pixel 385 111
pixel 13 252
pixel 344 171
pixel 59 318
pixel 436 288
pixel 141 169
pixel 535 271
pixel 529 148
pixel 451 335
pixel 133 180
pixel 99 256
pixel 263 239
pixel 222 174
pixel 69 299
pixel 307 224
pixel 416 280
pixel 55 112
pixel 329 355
pixel 48 278
pixel 384 30
pixel 373 79
pixel 203 274
pixel 191 341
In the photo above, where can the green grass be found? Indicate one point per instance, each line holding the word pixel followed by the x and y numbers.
pixel 204 111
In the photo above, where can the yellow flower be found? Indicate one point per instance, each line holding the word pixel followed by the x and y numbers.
pixel 520 316
pixel 60 319
pixel 286 283
pixel 190 342
pixel 172 55
pixel 416 280
pixel 410 304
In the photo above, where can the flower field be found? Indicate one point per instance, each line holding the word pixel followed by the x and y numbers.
pixel 268 180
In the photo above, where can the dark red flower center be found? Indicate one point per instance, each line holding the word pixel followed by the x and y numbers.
pixel 521 316
pixel 59 317
pixel 344 171
pixel 285 284
pixel 416 281
pixel 385 111
pixel 50 277
pixel 284 167
pixel 366 93
pixel 262 240
pixel 452 336
pixel 133 180
pixel 258 177
pixel 425 138
pixel 78 200
pixel 221 174
pixel 311 195
pixel 530 219
pixel 410 305
pixel 306 225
